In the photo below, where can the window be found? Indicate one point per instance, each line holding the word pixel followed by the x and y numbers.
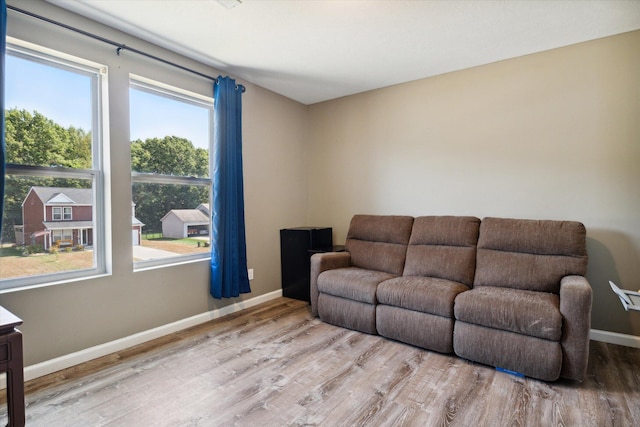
pixel 65 235
pixel 57 214
pixel 61 213
pixel 54 182
pixel 170 165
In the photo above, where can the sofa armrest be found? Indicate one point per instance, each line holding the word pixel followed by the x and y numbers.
pixel 575 307
pixel 322 262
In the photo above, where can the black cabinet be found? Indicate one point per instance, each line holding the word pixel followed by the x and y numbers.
pixel 296 246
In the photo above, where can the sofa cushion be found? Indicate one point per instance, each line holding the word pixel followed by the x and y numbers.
pixel 443 247
pixel 355 315
pixel 530 356
pixel 413 327
pixel 529 254
pixel 423 294
pixel 530 313
pixel 352 283
pixel 379 242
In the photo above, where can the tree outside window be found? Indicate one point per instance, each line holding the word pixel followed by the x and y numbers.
pixel 53 138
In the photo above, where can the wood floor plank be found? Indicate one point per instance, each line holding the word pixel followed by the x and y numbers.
pixel 275 365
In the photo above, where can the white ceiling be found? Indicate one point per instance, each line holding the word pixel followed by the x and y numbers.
pixel 316 50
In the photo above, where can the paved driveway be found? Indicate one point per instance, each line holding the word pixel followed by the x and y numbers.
pixel 143 253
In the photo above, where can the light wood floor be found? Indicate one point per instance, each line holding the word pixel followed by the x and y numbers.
pixel 275 365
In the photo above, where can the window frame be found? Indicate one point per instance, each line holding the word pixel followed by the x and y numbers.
pixel 61 234
pixel 56 213
pixel 157 88
pixel 97 174
pixel 61 213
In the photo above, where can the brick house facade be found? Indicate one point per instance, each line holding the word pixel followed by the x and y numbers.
pixel 60 216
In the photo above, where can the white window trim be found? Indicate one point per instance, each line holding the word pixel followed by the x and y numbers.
pixel 59 213
pixel 99 174
pixel 56 213
pixel 155 87
pixel 55 56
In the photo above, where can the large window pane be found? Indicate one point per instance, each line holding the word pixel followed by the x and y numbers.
pixel 48 114
pixel 170 133
pixel 170 165
pixel 54 201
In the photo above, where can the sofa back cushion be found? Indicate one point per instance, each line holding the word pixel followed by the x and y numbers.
pixel 379 242
pixel 443 247
pixel 529 254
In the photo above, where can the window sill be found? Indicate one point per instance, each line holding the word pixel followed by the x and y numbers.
pixel 26 287
pixel 145 267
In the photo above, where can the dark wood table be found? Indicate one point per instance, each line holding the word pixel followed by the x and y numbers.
pixel 11 363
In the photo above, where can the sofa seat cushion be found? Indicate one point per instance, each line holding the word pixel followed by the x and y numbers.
pixel 352 283
pixel 529 313
pixel 423 294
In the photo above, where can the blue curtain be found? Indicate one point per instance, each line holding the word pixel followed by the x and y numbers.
pixel 3 48
pixel 229 276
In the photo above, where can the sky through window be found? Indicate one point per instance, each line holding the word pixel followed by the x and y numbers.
pixel 60 95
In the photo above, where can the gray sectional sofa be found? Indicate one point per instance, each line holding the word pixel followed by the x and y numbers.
pixel 509 293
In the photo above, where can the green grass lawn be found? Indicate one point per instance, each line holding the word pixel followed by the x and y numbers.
pixel 8 250
pixel 186 241
pixel 151 236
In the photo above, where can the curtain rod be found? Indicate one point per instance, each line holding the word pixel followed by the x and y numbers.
pixel 119 46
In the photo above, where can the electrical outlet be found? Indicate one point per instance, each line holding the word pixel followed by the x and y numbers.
pixel 251 274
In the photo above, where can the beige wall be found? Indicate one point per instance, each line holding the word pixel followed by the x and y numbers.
pixel 69 317
pixel 554 135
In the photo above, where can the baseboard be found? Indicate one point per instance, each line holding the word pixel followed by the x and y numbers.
pixel 615 338
pixel 63 362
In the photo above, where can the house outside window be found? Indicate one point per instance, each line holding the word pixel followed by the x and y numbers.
pixel 171 132
pixel 54 184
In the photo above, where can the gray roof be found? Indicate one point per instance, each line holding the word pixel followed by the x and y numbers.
pixel 63 225
pixel 80 196
pixel 188 216
pixel 204 207
pixel 51 225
